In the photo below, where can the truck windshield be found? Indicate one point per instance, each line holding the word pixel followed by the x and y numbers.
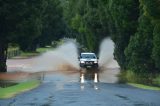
pixel 91 56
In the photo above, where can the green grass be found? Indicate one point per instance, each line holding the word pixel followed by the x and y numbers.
pixel 38 51
pixel 144 86
pixel 12 48
pixel 19 88
pixel 42 50
pixel 29 54
pixel 141 80
pixel 156 80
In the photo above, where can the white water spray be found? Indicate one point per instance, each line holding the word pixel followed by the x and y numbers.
pixel 62 58
pixel 106 52
pixel 107 64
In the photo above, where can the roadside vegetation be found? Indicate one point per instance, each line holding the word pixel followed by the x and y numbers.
pixel 145 80
pixel 35 53
pixel 11 91
pixel 15 52
pixel 144 86
pixel 133 25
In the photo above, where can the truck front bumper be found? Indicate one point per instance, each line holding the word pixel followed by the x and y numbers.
pixel 88 65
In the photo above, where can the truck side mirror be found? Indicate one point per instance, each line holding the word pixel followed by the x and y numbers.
pixel 97 57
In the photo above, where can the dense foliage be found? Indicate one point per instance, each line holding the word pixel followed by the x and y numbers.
pixel 134 26
pixel 26 22
pixel 87 20
pixel 143 51
pixel 123 16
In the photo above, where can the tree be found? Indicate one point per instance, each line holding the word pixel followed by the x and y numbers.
pixel 123 21
pixel 156 48
pixel 31 26
pixel 88 23
pixel 8 22
pixel 138 53
pixel 143 51
pixel 152 8
pixel 18 19
pixel 54 26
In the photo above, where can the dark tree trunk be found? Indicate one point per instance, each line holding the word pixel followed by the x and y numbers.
pixel 3 56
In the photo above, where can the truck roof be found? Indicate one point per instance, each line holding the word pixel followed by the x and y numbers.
pixel 87 53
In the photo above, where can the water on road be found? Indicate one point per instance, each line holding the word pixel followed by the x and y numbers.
pixel 65 84
pixel 84 88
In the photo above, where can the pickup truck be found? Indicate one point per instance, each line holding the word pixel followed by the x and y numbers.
pixel 88 60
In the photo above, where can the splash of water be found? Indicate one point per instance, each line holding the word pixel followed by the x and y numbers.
pixel 106 52
pixel 108 66
pixel 64 57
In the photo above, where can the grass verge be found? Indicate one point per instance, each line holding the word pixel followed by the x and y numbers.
pixel 144 86
pixel 140 80
pixel 37 52
pixel 44 49
pixel 19 88
pixel 29 54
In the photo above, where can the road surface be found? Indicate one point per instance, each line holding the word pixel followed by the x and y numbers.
pixel 79 88
pixel 59 89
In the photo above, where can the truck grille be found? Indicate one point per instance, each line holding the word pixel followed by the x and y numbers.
pixel 89 62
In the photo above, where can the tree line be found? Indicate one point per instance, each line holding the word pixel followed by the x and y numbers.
pixel 133 25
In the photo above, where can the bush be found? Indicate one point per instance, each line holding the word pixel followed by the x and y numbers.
pixel 140 78
pixel 156 81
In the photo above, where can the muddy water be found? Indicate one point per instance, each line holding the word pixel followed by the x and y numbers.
pixel 64 60
pixel 61 66
pixel 65 84
pixel 85 87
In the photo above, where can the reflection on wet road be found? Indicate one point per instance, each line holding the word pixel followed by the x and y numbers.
pixel 83 88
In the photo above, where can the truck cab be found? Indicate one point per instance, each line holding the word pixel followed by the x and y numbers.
pixel 88 60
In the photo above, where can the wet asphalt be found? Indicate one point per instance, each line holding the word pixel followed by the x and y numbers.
pixel 69 90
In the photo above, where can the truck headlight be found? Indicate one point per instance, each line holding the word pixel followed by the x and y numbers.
pixel 95 61
pixel 82 61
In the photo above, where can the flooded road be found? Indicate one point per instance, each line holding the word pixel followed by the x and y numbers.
pixel 59 89
pixel 65 85
pixel 85 87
